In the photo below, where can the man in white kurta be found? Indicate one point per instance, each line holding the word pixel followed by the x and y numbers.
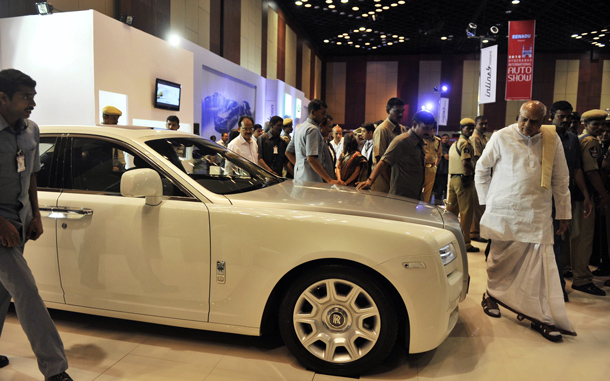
pixel 521 268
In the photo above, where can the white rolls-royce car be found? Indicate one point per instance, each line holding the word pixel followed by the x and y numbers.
pixel 166 227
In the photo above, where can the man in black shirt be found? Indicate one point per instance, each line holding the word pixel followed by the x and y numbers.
pixel 272 148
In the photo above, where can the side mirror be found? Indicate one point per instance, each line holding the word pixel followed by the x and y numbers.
pixel 142 182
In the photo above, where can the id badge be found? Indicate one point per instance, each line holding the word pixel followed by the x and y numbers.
pixel 20 163
pixel 275 150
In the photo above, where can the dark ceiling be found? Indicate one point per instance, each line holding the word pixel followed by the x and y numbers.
pixel 422 23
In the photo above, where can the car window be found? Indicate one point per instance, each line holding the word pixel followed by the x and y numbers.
pixel 212 166
pixel 97 165
pixel 45 178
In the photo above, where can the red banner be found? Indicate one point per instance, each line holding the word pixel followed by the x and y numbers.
pixel 520 67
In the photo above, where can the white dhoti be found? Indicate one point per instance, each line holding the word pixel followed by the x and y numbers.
pixel 524 277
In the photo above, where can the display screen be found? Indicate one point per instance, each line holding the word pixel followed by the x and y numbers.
pixel 167 95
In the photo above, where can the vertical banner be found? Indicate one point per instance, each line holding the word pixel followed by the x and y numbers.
pixel 443 111
pixel 489 75
pixel 520 67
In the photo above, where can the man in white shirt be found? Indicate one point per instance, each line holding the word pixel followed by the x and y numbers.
pixel 527 180
pixel 337 142
pixel 243 144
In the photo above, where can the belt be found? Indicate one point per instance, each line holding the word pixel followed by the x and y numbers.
pixel 460 174
pixel 429 165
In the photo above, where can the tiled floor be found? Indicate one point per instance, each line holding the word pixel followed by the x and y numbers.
pixel 479 348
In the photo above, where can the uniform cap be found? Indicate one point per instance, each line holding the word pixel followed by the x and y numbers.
pixel 111 110
pixel 467 121
pixel 287 121
pixel 594 115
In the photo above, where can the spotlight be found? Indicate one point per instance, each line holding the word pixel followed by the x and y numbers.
pixel 444 88
pixel 44 8
pixel 494 30
pixel 127 19
pixel 471 30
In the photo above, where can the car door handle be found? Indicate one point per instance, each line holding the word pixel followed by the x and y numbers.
pixel 59 212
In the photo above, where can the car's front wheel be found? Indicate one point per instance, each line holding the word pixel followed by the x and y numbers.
pixel 338 320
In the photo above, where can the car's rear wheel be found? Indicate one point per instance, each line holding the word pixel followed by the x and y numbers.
pixel 338 320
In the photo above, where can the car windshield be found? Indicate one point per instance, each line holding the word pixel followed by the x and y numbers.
pixel 214 167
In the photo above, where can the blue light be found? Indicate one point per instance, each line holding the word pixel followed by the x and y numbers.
pixel 444 88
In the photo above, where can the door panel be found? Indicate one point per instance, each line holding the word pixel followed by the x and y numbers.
pixel 127 256
pixel 119 254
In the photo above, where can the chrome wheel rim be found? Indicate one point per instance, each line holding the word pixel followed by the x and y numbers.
pixel 336 320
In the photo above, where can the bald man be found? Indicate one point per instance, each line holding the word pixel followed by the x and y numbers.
pixel 521 269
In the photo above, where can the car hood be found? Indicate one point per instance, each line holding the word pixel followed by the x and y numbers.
pixel 326 198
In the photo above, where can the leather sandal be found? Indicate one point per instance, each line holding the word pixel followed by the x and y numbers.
pixel 548 332
pixel 490 307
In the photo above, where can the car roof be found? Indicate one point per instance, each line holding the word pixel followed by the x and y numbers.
pixel 131 132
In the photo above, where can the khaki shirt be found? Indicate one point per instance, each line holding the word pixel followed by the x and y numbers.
pixel 382 137
pixel 432 149
pixel 478 142
pixel 591 152
pixel 456 167
pixel 405 155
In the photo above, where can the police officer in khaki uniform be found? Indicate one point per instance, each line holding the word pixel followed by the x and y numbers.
pixel 110 116
pixel 583 241
pixel 433 153
pixel 461 184
pixel 478 140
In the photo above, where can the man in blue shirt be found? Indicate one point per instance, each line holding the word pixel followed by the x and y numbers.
pixel 20 220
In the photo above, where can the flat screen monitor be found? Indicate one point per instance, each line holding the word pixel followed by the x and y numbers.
pixel 167 95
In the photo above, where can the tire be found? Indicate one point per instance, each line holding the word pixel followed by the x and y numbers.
pixel 338 320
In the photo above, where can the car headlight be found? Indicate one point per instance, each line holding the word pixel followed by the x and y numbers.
pixel 447 254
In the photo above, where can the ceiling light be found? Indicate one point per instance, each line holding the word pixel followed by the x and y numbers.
pixel 390 43
pixel 365 15
pixel 382 36
pixel 326 41
pixel 344 1
pixel 378 10
pixel 494 29
pixel 376 1
pixel 332 6
pixel 574 35
pixel 509 11
pixel 604 30
pixel 594 32
pixel 329 1
pixel 578 38
pixel 355 8
pixel 584 34
pixel 401 2
pixel 357 46
pixel 395 36
pixel 378 5
pixel 174 39
pixel 371 12
pixel 516 1
pixel 485 41
pixel 369 30
pixel 367 43
pixel 443 38
pixel 374 47
pixel 602 35
pixel 386 8
pixel 393 5
pixel 601 45
pixel 471 30
pixel 362 28
pixel 596 38
pixel 298 2
pixel 339 43
pixel 350 42
pixel 346 37
pixel 401 37
pixel 307 5
pixel 341 35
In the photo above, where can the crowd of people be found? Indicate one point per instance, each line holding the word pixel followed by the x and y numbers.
pixel 540 210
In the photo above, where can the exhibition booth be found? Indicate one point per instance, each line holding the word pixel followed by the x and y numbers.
pixel 83 61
